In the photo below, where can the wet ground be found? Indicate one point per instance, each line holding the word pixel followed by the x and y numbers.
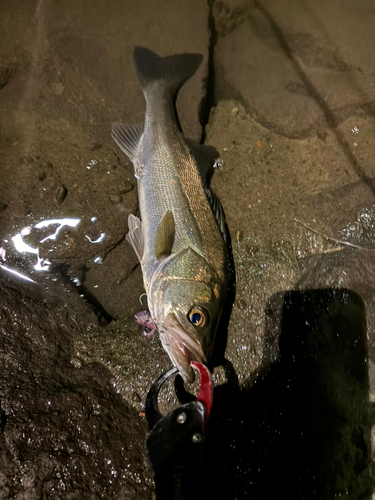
pixel 286 94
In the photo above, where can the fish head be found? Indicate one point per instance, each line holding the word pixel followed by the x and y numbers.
pixel 186 298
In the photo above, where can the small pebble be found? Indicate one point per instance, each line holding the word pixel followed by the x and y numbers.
pixel 241 304
pixel 60 194
pixel 239 236
pixel 42 176
pixel 3 206
pixel 96 146
pixel 234 112
pixel 253 250
pixel 136 397
pixel 126 186
pixel 25 160
pixel 115 199
pixel 322 134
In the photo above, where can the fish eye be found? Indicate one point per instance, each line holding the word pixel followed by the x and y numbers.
pixel 198 316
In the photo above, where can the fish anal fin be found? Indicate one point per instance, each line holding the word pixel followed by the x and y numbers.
pixel 134 236
pixel 127 137
pixel 164 236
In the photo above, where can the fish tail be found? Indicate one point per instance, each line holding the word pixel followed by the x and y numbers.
pixel 171 71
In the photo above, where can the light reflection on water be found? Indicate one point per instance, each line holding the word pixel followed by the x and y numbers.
pixel 42 264
pixel 22 247
pixel 98 240
pixel 17 273
pixel 60 222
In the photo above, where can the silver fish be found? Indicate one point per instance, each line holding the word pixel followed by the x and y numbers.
pixel 180 239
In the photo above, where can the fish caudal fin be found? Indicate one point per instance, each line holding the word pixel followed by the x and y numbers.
pixel 172 71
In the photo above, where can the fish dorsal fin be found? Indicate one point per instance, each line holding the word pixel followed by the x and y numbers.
pixel 134 236
pixel 218 211
pixel 127 137
pixel 164 236
pixel 205 157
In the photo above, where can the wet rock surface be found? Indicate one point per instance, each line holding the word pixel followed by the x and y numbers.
pixel 287 91
pixel 65 432
pixel 293 53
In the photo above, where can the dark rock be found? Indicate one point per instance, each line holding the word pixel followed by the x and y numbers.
pixel 42 176
pixel 65 431
pixel 3 206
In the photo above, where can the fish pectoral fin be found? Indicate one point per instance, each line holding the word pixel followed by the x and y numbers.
pixel 164 236
pixel 134 236
pixel 218 211
pixel 127 137
pixel 205 157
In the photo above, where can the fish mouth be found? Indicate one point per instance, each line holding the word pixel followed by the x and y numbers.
pixel 180 347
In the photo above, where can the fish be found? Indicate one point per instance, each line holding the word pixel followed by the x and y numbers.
pixel 180 237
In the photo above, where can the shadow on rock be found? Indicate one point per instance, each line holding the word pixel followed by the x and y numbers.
pixel 302 428
pixel 222 335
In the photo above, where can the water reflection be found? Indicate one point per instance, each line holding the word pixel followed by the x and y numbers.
pixel 17 273
pixel 98 240
pixel 60 222
pixel 22 247
pixel 30 239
